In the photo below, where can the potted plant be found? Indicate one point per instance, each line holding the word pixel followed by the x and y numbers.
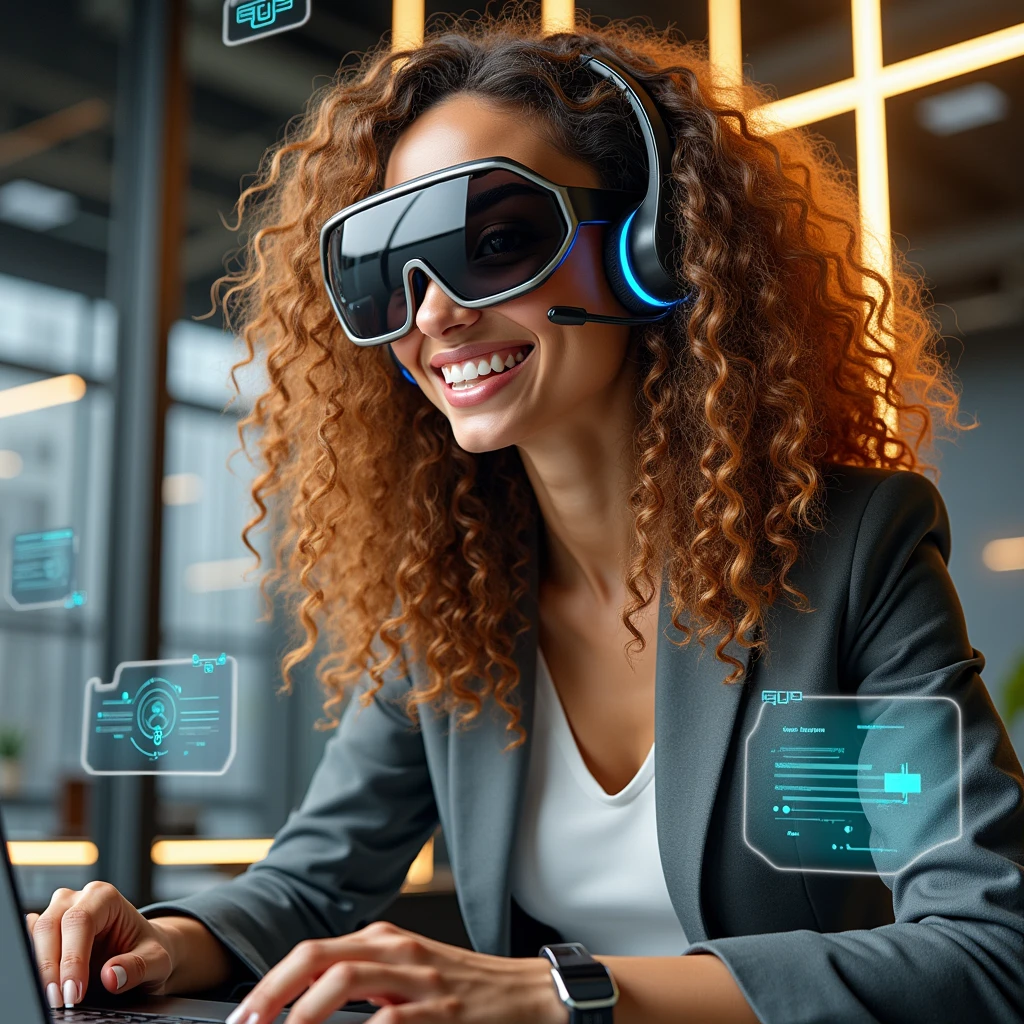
pixel 12 747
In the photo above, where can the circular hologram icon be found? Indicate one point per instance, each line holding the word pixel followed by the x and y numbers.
pixel 156 710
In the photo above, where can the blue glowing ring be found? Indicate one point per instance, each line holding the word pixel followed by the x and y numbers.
pixel 628 270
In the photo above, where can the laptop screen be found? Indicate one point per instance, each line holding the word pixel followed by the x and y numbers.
pixel 22 996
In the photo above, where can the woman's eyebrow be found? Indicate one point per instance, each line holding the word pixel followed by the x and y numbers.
pixel 492 196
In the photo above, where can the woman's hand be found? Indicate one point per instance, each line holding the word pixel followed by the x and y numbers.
pixel 96 932
pixel 414 979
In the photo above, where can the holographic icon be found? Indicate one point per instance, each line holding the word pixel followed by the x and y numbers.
pixel 245 20
pixel 162 718
pixel 208 663
pixel 852 785
pixel 75 599
pixel 43 570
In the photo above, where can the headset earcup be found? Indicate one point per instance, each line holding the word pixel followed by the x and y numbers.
pixel 630 301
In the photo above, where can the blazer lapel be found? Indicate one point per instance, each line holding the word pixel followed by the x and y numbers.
pixel 486 788
pixel 694 719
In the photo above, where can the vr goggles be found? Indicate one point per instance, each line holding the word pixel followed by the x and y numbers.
pixel 484 231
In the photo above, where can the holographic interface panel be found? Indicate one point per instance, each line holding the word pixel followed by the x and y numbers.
pixel 855 785
pixel 43 570
pixel 162 718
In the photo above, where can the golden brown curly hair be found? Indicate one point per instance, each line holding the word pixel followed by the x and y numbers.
pixel 388 533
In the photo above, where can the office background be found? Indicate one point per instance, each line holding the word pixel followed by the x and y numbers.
pixel 126 127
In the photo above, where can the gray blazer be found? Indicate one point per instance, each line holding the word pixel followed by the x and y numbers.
pixel 942 941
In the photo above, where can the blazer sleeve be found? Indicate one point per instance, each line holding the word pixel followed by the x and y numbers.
pixel 956 950
pixel 341 857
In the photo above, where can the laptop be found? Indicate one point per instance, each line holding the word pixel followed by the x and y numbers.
pixel 22 991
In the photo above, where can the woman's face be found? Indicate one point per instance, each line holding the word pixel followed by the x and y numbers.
pixel 555 374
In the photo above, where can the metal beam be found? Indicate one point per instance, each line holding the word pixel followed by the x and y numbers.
pixel 149 165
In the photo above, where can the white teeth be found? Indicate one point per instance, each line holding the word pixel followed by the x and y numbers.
pixel 457 373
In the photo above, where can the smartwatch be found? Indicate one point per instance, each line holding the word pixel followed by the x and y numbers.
pixel 585 986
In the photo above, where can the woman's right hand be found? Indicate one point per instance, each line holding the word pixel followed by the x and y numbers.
pixel 95 932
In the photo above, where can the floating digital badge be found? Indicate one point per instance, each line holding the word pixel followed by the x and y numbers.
pixel 43 567
pixel 246 20
pixel 162 718
pixel 851 785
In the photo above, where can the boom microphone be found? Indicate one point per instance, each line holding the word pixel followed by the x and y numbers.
pixel 573 316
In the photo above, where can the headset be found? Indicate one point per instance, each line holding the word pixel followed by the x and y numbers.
pixel 636 251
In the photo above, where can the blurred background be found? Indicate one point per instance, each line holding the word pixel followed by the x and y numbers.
pixel 126 130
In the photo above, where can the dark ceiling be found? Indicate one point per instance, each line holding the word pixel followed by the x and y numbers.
pixel 956 200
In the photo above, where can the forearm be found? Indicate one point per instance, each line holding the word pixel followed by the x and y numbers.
pixel 668 989
pixel 199 959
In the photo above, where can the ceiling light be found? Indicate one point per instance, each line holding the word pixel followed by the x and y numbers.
pixel 36 207
pixel 1004 555
pixel 958 110
pixel 41 394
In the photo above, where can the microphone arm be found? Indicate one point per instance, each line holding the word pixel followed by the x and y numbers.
pixel 573 316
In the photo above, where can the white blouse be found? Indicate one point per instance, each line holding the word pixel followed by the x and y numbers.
pixel 585 861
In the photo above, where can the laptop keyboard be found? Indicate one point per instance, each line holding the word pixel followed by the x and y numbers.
pixel 117 1017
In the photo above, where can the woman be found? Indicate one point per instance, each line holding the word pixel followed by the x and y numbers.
pixel 530 567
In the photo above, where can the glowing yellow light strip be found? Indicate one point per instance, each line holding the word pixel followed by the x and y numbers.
pixel 724 40
pixel 1004 555
pixel 557 16
pixel 893 79
pixel 192 852
pixel 950 61
pixel 209 851
pixel 62 853
pixel 407 17
pixel 41 394
pixel 421 870
pixel 872 150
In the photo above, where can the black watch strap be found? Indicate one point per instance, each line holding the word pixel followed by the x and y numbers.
pixel 585 986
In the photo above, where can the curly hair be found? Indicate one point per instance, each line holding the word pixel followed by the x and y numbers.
pixel 391 540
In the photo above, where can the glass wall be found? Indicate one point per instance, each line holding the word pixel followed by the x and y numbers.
pixel 58 93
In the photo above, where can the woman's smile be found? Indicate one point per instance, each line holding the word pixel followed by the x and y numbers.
pixel 473 381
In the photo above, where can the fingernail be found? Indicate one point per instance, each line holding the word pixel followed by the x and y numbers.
pixel 235 1015
pixel 53 995
pixel 121 974
pixel 72 993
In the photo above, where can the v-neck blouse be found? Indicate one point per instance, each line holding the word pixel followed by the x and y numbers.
pixel 586 861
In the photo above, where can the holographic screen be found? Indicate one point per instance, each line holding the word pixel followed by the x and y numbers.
pixel 162 718
pixel 852 785
pixel 43 567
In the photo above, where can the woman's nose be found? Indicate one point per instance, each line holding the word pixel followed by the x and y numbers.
pixel 437 313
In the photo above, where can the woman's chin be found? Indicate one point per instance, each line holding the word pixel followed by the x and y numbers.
pixel 482 440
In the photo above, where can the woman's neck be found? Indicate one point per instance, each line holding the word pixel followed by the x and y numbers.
pixel 581 471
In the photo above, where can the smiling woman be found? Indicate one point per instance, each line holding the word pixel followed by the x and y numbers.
pixel 653 412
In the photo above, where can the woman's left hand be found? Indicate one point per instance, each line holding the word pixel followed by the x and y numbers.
pixel 415 980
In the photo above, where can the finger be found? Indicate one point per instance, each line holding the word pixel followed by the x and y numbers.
pixel 148 962
pixel 360 979
pixel 46 944
pixel 30 920
pixel 283 982
pixel 431 1011
pixel 88 916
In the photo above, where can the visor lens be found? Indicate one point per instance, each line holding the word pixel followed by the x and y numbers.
pixel 482 234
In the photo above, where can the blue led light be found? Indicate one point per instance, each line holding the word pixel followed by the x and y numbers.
pixel 628 270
